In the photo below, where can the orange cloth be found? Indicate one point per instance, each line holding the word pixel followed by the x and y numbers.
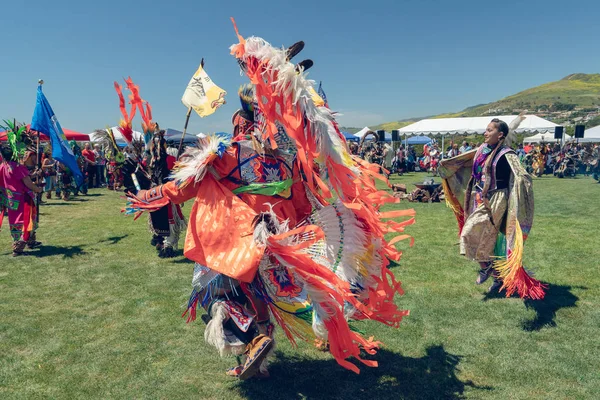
pixel 296 208
pixel 220 227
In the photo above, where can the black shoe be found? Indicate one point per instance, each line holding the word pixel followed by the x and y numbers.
pixel 156 240
pixel 166 252
pixel 34 244
pixel 484 274
pixel 496 286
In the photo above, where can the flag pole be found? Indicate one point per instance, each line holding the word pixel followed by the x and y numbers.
pixel 38 168
pixel 187 120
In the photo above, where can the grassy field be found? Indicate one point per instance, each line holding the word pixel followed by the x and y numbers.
pixel 96 314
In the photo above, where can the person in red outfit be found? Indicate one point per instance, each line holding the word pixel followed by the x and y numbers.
pixel 89 155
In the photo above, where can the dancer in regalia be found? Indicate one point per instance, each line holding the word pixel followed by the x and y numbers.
pixel 492 197
pixel 17 190
pixel 166 223
pixel 270 242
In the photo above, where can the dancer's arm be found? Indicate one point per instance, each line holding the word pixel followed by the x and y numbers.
pixel 160 196
pixel 30 185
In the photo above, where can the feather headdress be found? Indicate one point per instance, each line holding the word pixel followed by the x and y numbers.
pixel 106 139
pixel 246 93
pixel 148 127
pixel 125 123
pixel 19 139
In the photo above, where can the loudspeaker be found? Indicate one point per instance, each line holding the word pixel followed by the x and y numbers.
pixel 381 136
pixel 395 135
pixel 579 129
pixel 558 132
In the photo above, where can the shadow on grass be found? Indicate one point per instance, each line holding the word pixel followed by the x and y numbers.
pixel 65 251
pixel 432 376
pixel 54 204
pixel 557 297
pixel 182 260
pixel 93 194
pixel 114 239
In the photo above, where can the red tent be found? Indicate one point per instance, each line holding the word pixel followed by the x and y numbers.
pixel 70 135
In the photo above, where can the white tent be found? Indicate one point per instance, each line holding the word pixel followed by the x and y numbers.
pixel 473 125
pixel 118 137
pixel 544 137
pixel 362 132
pixel 591 135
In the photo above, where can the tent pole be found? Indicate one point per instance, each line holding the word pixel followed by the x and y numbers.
pixel 443 147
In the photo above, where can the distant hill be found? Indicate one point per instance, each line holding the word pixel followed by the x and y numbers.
pixel 574 94
pixel 349 130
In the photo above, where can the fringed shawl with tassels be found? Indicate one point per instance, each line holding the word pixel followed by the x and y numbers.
pixel 456 174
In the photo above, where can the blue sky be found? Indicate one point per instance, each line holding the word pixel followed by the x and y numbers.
pixel 379 60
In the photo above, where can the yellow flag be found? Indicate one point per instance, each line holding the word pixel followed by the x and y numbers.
pixel 202 94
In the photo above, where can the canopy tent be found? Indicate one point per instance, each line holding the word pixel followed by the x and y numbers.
pixel 350 137
pixel 474 125
pixel 412 140
pixel 118 137
pixel 173 137
pixel 388 137
pixel 591 135
pixel 544 137
pixel 362 132
pixel 69 134
pixel 203 135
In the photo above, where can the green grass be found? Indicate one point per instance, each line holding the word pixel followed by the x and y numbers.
pixel 96 314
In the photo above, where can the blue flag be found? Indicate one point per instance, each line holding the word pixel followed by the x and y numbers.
pixel 321 93
pixel 45 121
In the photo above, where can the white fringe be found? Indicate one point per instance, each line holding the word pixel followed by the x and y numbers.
pixel 512 135
pixel 193 162
pixel 214 334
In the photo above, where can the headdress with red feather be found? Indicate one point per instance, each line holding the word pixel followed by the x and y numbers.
pixel 125 123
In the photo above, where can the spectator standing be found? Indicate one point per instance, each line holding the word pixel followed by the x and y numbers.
pixel 89 155
pixel 100 165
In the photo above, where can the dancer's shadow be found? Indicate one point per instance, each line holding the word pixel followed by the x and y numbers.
pixel 178 253
pixel 557 297
pixel 54 204
pixel 93 194
pixel 114 239
pixel 77 200
pixel 487 295
pixel 65 251
pixel 432 376
pixel 182 260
